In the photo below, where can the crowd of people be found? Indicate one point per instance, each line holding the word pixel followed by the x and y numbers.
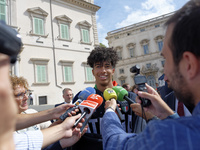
pixel 168 123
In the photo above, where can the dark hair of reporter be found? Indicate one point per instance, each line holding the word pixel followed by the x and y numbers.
pixel 184 37
pixel 102 54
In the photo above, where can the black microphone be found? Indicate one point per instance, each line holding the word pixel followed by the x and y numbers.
pixel 10 41
pixel 82 96
pixel 88 106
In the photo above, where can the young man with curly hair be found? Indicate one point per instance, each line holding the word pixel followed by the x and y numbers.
pixel 102 61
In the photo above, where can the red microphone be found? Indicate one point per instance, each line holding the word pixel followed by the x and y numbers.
pixel 88 106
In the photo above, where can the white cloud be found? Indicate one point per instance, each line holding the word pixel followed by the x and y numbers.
pixel 102 34
pixel 97 16
pixel 149 9
pixel 99 26
pixel 127 8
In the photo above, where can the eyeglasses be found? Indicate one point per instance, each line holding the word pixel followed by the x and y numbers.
pixel 21 95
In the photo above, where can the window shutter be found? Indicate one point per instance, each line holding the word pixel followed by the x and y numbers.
pixel 3 10
pixel 38 26
pixel 41 74
pixel 89 74
pixel 85 36
pixel 68 74
pixel 64 31
pixel 41 27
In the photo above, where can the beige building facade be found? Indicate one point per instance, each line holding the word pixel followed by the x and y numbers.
pixel 139 44
pixel 57 37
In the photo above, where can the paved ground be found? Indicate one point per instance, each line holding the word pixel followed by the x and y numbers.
pixel 41 107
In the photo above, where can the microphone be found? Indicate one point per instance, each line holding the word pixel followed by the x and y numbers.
pixel 82 96
pixel 109 94
pixel 87 108
pixel 122 94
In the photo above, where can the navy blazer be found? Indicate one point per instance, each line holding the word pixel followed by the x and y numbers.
pixel 59 104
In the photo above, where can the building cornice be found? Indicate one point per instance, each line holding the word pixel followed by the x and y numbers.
pixel 83 4
pixel 139 59
pixel 139 25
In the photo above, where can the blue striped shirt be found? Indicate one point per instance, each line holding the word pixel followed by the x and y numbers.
pixel 170 134
pixel 31 140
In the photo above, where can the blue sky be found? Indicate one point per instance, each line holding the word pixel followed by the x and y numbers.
pixel 115 14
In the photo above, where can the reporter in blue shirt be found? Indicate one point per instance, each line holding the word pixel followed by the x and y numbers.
pixel 181 52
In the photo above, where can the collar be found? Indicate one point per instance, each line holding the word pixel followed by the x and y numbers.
pixel 196 110
pixel 114 84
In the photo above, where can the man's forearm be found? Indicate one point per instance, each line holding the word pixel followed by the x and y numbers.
pixel 8 108
pixel 52 134
pixel 27 120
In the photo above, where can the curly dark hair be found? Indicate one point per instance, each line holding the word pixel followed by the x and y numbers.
pixel 102 54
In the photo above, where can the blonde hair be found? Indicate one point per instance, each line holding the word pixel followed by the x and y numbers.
pixel 19 81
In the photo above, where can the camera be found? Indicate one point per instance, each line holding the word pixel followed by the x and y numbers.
pixel 10 42
pixel 140 81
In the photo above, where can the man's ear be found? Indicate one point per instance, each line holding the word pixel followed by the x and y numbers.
pixel 113 70
pixel 191 64
pixel 93 71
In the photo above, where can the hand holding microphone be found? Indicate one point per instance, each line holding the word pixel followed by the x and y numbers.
pixel 111 94
pixel 88 107
pixel 82 96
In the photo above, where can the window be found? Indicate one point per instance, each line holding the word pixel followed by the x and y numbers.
pixel 68 74
pixel 148 65
pixel 64 27
pixel 42 100
pixel 142 30
pixel 163 63
pixel 38 27
pixel 85 36
pixel 89 75
pixel 145 45
pixel 151 81
pixel 159 40
pixel 40 70
pixel 122 82
pixel 67 69
pixel 85 32
pixel 38 18
pixel 131 51
pixel 157 25
pixel 116 37
pixel 3 10
pixel 119 54
pixel 64 31
pixel 146 49
pixel 160 45
pixel 121 71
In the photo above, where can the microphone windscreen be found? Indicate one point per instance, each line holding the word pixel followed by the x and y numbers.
pixel 95 98
pixel 121 92
pixel 86 92
pixel 109 94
